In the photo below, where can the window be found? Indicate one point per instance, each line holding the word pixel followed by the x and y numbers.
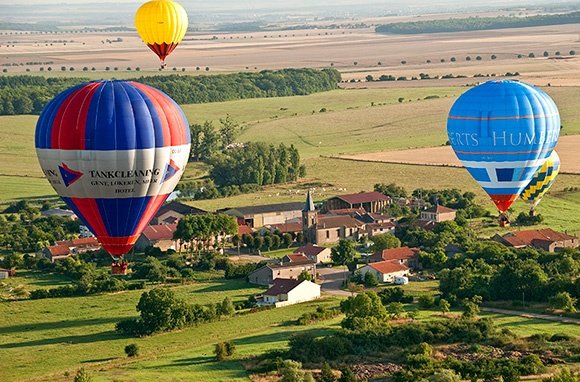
pixel 328 234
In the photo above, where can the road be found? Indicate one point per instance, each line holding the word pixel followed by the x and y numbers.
pixel 332 279
pixel 549 317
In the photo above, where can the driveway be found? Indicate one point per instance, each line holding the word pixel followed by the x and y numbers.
pixel 332 279
pixel 549 317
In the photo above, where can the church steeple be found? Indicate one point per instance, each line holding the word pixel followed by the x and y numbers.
pixel 309 206
pixel 309 219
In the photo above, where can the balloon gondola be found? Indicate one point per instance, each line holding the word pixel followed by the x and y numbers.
pixel 113 151
pixel 503 132
pixel 161 24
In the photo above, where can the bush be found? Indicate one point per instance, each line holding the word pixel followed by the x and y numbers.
pixel 370 280
pixel 561 337
pixel 132 350
pixel 426 301
pixel 396 294
pixel 83 376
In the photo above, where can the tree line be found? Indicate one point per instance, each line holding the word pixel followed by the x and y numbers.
pixel 29 94
pixel 477 23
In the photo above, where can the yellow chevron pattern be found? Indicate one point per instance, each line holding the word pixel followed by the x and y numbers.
pixel 542 180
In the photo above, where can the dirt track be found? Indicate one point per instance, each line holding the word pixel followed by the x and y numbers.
pixel 568 148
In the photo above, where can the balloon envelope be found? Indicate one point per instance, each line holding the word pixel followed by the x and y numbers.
pixel 542 180
pixel 162 24
pixel 503 131
pixel 114 151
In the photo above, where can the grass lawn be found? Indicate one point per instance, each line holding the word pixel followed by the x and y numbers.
pixel 278 253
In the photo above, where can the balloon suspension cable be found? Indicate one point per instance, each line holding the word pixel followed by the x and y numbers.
pixel 163 65
pixel 504 220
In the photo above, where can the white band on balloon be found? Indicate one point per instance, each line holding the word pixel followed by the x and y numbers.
pixel 114 174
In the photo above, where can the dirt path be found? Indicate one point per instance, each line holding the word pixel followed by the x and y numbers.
pixel 566 320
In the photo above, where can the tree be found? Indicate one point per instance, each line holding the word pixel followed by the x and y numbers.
pixel 563 301
pixel 361 309
pixel 308 378
pixel 287 240
pixel 228 131
pixel 444 375
pixel 344 253
pixel 226 307
pixel 565 375
pixel 371 280
pixel 470 309
pixel 132 350
pixel 326 374
pixel 546 54
pixel 161 310
pixel 384 241
pixel 395 310
pixel 220 351
pixel 305 275
pixel 151 269
pixel 347 376
pixel 444 306
pixel 290 371
pixel 426 301
pixel 83 376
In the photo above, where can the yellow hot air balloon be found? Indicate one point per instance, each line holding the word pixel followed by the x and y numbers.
pixel 162 25
pixel 542 181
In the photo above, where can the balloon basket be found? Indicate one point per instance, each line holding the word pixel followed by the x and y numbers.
pixel 503 221
pixel 119 269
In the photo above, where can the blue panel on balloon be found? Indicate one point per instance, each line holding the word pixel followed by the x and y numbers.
pixel 479 174
pixel 504 174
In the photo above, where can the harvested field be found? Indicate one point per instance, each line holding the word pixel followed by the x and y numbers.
pixel 443 156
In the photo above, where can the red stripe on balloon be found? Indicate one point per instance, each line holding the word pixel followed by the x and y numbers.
pixel 69 126
pixel 152 207
pixel 90 210
pixel 503 202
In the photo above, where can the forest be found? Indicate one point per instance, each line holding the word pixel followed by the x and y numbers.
pixel 477 23
pixel 29 94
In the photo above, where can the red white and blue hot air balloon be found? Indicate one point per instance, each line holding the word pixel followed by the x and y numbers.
pixel 503 132
pixel 113 151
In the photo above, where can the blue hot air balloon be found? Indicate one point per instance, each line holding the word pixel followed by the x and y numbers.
pixel 503 131
pixel 114 151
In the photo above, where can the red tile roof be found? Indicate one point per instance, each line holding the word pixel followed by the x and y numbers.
pixel 386 267
pixel 287 227
pixel 244 230
pixel 526 238
pixel 364 197
pixel 310 250
pixel 58 250
pixel 282 286
pixel 385 225
pixel 337 221
pixel 347 211
pixel 440 209
pixel 82 242
pixel 297 258
pixel 159 232
pixel 392 254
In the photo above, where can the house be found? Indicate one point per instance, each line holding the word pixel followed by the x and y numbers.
pixel 438 214
pixel 66 248
pixel 158 236
pixel 380 228
pixel 171 213
pixel 81 245
pixel 291 227
pixel 546 239
pixel 285 292
pixel 403 255
pixel 56 252
pixel 260 216
pixel 328 228
pixel 269 272
pixel 315 253
pixel 5 273
pixel 369 201
pixel 68 214
pixel 386 271
pixel 295 258
pixel 244 230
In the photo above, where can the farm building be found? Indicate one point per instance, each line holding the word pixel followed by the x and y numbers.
pixel 5 273
pixel 315 253
pixel 292 227
pixel 56 252
pixel 403 255
pixel 385 271
pixel 288 291
pixel 270 272
pixel 158 236
pixel 438 214
pixel 260 216
pixel 66 248
pixel 380 228
pixel 172 212
pixel 68 214
pixel 546 239
pixel 295 258
pixel 369 201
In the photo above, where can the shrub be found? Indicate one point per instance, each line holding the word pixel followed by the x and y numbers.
pixel 83 376
pixel 132 350
pixel 426 301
